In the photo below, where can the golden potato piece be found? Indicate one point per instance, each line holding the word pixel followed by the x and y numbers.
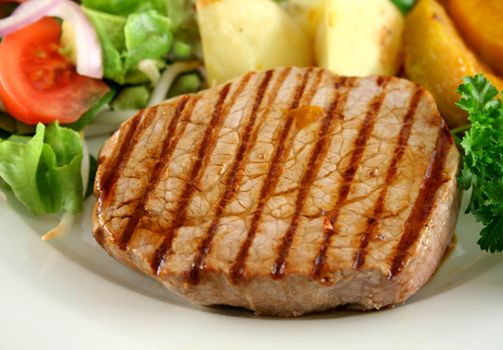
pixel 308 13
pixel 249 35
pixel 444 3
pixel 437 58
pixel 481 24
pixel 360 37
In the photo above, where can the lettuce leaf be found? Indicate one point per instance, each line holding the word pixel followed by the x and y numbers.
pixel 115 7
pixel 44 171
pixel 148 36
pixel 126 41
pixel 110 31
pixel 180 13
pixel 127 7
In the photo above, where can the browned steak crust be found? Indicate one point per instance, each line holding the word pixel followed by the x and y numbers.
pixel 285 192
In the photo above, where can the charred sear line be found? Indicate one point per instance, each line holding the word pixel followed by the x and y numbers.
pixel 376 216
pixel 232 180
pixel 423 205
pixel 330 229
pixel 205 150
pixel 316 158
pixel 180 213
pixel 271 180
pixel 99 235
pixel 167 148
pixel 109 179
pixel 309 95
pixel 138 125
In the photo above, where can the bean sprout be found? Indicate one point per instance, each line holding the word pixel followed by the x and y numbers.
pixel 167 79
pixel 114 117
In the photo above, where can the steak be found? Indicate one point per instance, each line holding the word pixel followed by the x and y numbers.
pixel 284 192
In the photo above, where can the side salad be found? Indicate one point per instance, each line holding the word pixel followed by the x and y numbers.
pixel 65 65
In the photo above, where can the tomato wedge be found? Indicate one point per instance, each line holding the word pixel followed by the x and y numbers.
pixel 37 83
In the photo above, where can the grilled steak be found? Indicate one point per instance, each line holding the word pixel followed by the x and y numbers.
pixel 284 192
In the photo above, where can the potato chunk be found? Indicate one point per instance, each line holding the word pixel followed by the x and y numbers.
pixel 308 13
pixel 249 35
pixel 360 37
pixel 437 58
pixel 481 24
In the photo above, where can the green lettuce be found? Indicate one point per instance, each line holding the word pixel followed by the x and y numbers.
pixel 180 13
pixel 127 7
pixel 110 31
pixel 115 7
pixel 148 36
pixel 44 171
pixel 126 41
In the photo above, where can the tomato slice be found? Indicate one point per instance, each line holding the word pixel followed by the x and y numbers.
pixel 37 83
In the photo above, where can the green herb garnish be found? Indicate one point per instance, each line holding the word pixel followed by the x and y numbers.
pixel 483 162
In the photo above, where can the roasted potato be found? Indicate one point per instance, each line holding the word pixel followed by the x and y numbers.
pixel 481 25
pixel 360 37
pixel 308 13
pixel 249 35
pixel 437 58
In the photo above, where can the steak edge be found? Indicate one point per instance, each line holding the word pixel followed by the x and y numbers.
pixel 284 192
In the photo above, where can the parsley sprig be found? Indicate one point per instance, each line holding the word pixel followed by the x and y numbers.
pixel 483 161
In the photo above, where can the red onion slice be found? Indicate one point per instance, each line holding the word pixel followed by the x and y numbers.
pixel 27 13
pixel 89 54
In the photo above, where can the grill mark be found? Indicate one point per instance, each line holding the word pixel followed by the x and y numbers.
pixel 99 236
pixel 423 205
pixel 206 148
pixel 349 174
pixel 109 179
pixel 124 150
pixel 168 146
pixel 270 182
pixel 233 178
pixel 318 153
pixel 373 221
pixel 123 154
pixel 309 95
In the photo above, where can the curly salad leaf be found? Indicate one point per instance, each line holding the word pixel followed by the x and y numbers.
pixel 133 31
pixel 126 41
pixel 44 171
pixel 483 162
pixel 125 7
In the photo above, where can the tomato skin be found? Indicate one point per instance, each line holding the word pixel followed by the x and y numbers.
pixel 37 83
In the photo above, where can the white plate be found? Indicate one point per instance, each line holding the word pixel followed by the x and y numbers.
pixel 68 294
